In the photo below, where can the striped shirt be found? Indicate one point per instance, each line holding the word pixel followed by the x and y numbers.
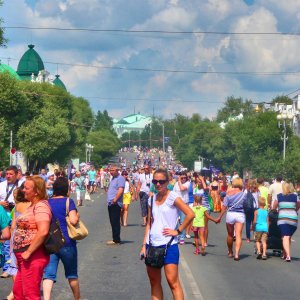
pixel 287 209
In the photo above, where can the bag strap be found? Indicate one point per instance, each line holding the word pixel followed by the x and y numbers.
pixel 234 205
pixel 8 193
pixel 151 217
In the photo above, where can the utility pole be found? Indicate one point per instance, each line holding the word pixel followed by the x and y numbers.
pixel 163 132
pixel 10 154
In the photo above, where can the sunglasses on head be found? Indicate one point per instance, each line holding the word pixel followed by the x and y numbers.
pixel 161 182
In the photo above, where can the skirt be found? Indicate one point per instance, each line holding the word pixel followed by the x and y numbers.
pixel 287 230
pixel 127 198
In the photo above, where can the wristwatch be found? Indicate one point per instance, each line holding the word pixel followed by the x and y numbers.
pixel 179 232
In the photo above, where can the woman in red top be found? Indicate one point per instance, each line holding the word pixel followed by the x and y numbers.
pixel 32 228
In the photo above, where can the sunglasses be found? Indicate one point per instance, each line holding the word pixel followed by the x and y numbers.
pixel 161 182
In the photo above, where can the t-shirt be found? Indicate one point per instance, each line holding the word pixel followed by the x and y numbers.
pixel 199 215
pixel 146 181
pixel 4 189
pixel 234 202
pixel 261 220
pixel 4 219
pixel 275 189
pixel 184 195
pixel 27 224
pixel 92 175
pixel 264 192
pixel 79 182
pixel 115 184
pixel 164 216
pixel 58 207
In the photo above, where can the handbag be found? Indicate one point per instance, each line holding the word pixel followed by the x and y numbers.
pixel 87 196
pixel 155 256
pixel 55 239
pixel 76 232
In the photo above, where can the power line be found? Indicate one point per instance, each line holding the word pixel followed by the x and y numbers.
pixel 243 73
pixel 151 31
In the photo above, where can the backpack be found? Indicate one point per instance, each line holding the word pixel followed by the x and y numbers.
pixel 248 203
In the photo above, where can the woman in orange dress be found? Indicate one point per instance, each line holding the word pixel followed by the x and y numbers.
pixel 214 190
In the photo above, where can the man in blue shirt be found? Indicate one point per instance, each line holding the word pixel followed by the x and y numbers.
pixel 115 203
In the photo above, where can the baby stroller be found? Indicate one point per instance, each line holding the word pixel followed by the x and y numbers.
pixel 274 241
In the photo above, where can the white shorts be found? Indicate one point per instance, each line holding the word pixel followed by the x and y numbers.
pixel 233 217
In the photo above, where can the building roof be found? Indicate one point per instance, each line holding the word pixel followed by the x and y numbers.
pixel 57 82
pixel 132 119
pixel 5 68
pixel 30 63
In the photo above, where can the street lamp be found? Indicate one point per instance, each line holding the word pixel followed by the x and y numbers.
pixel 283 117
pixel 88 152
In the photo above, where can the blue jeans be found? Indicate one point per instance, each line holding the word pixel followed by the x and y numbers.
pixel 6 253
pixel 68 256
pixel 249 221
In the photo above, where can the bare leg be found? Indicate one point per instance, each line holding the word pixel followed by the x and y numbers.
pixel 47 288
pixel 230 233
pixel 74 284
pixel 286 242
pixel 125 214
pixel 238 235
pixel 155 282
pixel 205 230
pixel 171 271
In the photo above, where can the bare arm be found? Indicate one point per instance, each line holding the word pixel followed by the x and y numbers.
pixel 182 187
pixel 5 233
pixel 147 228
pixel 275 204
pixel 210 218
pixel 223 211
pixel 74 217
pixel 189 216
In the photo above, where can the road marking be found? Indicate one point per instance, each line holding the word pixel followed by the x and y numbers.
pixel 195 291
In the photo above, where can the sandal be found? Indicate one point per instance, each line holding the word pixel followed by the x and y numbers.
pixel 203 251
pixel 258 255
pixel 288 259
pixel 236 259
pixel 197 252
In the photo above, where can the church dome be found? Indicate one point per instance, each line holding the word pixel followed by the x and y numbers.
pixel 7 69
pixel 30 63
pixel 58 82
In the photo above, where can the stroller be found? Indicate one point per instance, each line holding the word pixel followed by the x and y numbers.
pixel 274 241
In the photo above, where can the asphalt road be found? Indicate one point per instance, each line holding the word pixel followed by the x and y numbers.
pixel 116 272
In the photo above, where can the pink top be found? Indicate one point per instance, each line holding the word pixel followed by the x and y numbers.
pixel 26 224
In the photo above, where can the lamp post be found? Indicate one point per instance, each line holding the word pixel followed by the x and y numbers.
pixel 283 117
pixel 88 152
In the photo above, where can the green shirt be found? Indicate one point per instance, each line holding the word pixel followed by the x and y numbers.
pixel 199 215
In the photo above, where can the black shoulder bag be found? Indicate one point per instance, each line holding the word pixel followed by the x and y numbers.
pixel 55 239
pixel 155 256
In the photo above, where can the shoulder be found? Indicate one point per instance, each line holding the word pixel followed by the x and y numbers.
pixel 171 198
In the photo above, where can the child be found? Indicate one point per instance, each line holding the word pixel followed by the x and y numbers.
pixel 261 221
pixel 199 223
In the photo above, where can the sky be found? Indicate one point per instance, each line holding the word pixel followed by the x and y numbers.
pixel 196 54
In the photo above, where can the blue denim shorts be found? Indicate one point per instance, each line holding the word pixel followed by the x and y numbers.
pixel 68 256
pixel 172 256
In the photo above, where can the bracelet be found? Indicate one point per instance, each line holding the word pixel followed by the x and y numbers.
pixel 178 231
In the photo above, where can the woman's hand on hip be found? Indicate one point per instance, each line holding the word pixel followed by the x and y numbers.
pixel 169 232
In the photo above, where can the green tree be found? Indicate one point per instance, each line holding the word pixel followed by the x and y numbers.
pixel 233 107
pixel 103 121
pixel 282 99
pixel 3 40
pixel 106 144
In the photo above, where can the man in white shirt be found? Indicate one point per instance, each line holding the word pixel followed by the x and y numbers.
pixel 275 189
pixel 7 201
pixel 143 190
pixel 181 187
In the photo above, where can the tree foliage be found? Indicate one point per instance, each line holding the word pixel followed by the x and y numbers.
pixel 48 124
pixel 3 40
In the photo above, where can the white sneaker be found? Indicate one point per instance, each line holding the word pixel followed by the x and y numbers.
pixel 187 236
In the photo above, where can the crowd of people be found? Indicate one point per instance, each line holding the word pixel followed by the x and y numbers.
pixel 26 214
pixel 175 206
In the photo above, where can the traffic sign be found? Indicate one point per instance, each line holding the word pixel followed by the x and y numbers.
pixel 13 150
